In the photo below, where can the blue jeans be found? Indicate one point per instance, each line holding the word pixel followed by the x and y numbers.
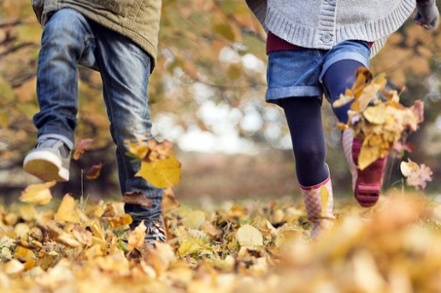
pixel 70 39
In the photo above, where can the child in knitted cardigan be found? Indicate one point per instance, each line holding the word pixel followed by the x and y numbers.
pixel 314 48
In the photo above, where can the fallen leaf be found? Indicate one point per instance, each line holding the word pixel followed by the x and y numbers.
pixel 68 211
pixel 38 193
pixel 136 237
pixel 249 236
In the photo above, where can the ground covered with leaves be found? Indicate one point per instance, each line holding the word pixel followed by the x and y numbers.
pixel 252 246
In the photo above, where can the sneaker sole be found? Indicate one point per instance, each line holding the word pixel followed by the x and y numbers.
pixel 45 166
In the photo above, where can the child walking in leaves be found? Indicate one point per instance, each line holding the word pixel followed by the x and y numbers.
pixel 315 48
pixel 119 39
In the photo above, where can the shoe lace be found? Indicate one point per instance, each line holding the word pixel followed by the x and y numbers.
pixel 155 232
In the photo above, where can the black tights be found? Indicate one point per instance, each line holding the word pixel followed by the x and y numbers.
pixel 304 120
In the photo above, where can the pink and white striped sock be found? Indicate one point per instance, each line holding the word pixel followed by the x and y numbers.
pixel 347 140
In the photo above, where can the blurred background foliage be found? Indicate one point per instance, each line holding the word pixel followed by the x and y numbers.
pixel 210 78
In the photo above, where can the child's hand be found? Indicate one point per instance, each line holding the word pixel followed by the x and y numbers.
pixel 427 14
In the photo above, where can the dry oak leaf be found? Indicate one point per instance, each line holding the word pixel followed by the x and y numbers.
pixel 38 193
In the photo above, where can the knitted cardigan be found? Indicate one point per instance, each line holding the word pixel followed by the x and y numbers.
pixel 321 24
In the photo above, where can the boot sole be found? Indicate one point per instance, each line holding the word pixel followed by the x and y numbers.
pixel 368 184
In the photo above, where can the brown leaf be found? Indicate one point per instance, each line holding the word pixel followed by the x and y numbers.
pixel 82 146
pixel 94 172
pixel 169 201
pixel 137 198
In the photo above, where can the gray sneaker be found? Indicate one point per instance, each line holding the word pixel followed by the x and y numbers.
pixel 49 160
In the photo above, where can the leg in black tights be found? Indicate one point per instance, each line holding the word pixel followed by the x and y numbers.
pixel 367 182
pixel 339 77
pixel 304 120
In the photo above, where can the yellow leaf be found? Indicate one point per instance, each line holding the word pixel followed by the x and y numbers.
pixel 370 91
pixel 162 173
pixel 249 236
pixel 161 256
pixel 368 155
pixel 93 252
pixel 67 211
pixel 120 220
pixel 138 149
pixel 38 193
pixel 190 246
pixel 286 235
pixel 343 99
pixel 377 114
pixel 193 219
pixel 136 237
pixel 363 77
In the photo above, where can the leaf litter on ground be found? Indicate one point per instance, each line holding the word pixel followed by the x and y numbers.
pixel 66 247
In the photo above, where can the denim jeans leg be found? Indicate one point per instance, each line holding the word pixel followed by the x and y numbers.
pixel 62 44
pixel 125 70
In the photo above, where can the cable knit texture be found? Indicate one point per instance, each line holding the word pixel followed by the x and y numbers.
pixel 323 24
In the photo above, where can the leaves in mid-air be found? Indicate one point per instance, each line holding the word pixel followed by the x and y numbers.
pixel 416 175
pixel 158 163
pixel 38 193
pixel 82 146
pixel 377 117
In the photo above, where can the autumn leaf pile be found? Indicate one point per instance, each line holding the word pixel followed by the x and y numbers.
pixel 74 246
